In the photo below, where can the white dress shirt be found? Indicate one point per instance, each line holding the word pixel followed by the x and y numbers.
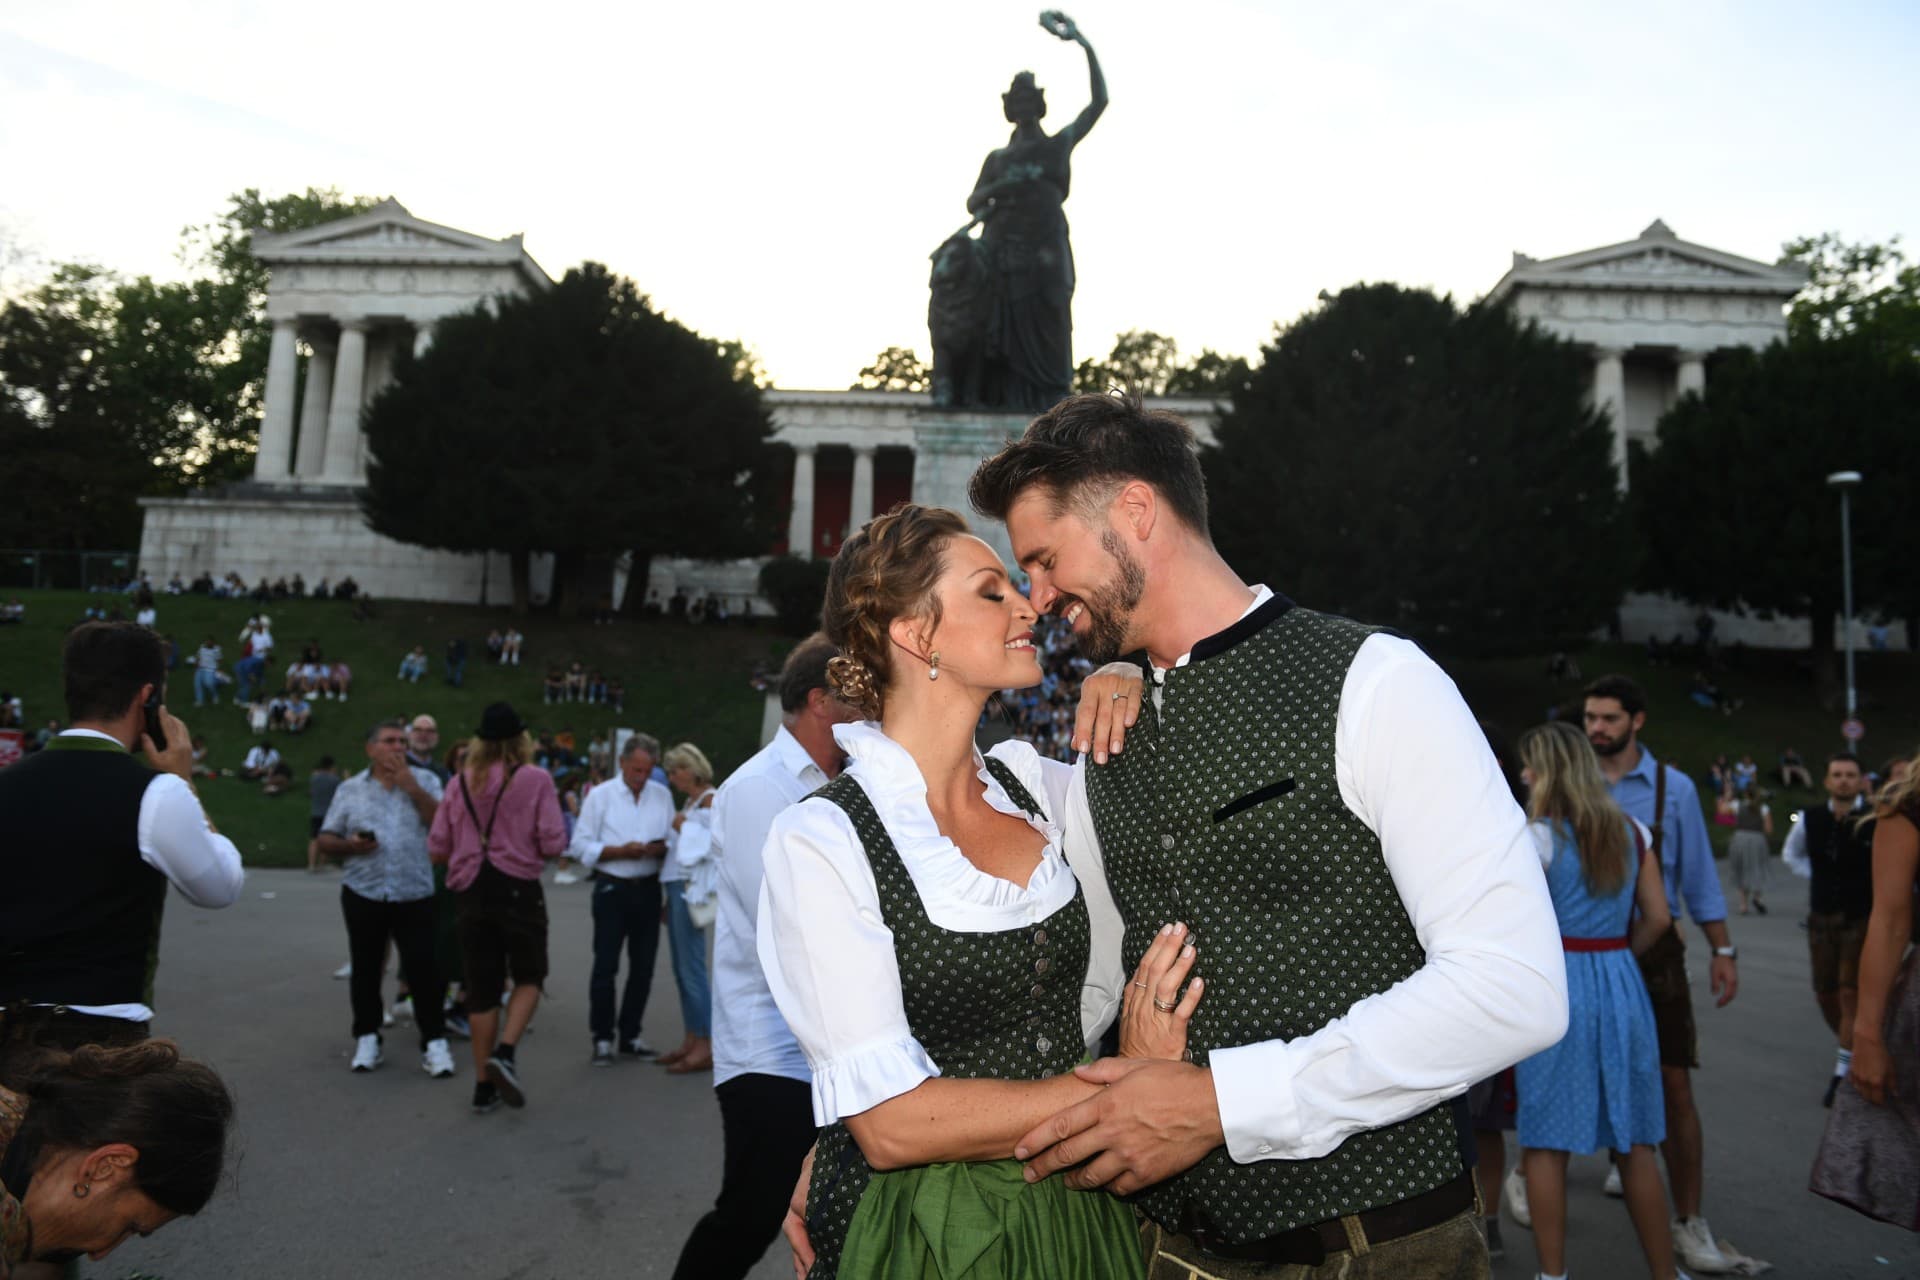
pixel 1413 765
pixel 176 841
pixel 828 954
pixel 749 1035
pixel 1793 851
pixel 613 814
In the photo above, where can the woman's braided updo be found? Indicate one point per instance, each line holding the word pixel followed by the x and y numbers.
pixel 886 570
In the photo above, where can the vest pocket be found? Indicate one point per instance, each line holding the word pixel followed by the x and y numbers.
pixel 1272 791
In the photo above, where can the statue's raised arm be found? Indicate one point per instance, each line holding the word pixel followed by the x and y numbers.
pixel 1060 25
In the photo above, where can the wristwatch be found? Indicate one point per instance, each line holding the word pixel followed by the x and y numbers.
pixel 1730 953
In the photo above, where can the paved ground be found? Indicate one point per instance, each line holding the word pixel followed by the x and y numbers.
pixel 606 1170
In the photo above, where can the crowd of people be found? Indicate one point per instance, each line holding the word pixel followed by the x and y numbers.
pixel 954 999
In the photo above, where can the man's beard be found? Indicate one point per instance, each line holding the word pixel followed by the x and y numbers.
pixel 1110 606
pixel 1610 746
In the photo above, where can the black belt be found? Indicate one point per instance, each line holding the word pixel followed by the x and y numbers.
pixel 1311 1245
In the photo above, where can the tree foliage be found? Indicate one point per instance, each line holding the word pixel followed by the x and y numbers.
pixel 1856 288
pixel 1734 506
pixel 1149 364
pixel 1403 462
pixel 580 421
pixel 895 369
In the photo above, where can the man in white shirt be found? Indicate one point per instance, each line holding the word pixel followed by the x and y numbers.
pixel 1394 907
pixel 620 840
pixel 760 1077
pixel 100 823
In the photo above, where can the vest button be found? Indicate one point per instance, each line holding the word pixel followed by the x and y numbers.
pixel 1039 989
pixel 1043 1044
pixel 1166 841
pixel 1042 965
pixel 1039 937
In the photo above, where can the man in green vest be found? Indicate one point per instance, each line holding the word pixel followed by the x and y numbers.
pixel 1312 801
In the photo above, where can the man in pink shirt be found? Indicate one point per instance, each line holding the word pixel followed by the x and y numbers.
pixel 500 822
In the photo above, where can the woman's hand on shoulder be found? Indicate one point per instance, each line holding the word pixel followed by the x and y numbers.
pixel 1154 1011
pixel 1109 706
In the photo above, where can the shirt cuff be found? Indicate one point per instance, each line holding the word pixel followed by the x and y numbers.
pixel 862 1081
pixel 1253 1087
pixel 589 855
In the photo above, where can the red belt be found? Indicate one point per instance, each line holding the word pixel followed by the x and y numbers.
pixel 1592 944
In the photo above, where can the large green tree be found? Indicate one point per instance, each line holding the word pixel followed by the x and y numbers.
pixel 895 369
pixel 1856 288
pixel 580 421
pixel 1404 462
pixel 1733 504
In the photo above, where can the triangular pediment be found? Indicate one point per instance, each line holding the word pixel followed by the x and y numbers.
pixel 386 230
pixel 1657 259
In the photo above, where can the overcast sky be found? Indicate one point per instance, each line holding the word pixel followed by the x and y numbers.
pixel 779 172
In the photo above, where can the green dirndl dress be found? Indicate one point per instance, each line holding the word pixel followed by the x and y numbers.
pixel 1015 1017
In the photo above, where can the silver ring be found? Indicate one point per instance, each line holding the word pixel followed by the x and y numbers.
pixel 1163 1007
pixel 1143 986
pixel 1118 696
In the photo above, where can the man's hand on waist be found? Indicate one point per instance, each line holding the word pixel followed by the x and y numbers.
pixel 1153 1120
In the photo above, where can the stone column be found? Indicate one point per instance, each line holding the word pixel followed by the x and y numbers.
pixel 422 339
pixel 272 463
pixel 312 451
pixel 343 412
pixel 861 508
pixel 1610 395
pixel 1693 374
pixel 800 522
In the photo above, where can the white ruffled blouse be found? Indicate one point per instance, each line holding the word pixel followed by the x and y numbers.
pixel 827 952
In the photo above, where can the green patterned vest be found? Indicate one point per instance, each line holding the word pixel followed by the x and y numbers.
pixel 1224 812
pixel 985 1006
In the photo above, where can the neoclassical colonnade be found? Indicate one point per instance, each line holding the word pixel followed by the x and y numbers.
pixel 350 360
pixel 834 495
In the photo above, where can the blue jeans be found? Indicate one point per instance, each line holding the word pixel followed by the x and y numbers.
pixel 456 672
pixel 206 687
pixel 689 963
pixel 626 914
pixel 247 674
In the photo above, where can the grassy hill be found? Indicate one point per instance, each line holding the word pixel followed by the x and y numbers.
pixel 689 683
pixel 683 684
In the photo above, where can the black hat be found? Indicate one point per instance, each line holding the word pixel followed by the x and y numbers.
pixel 500 722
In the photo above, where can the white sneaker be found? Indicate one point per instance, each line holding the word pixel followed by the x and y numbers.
pixel 367 1053
pixel 344 971
pixel 1693 1241
pixel 1514 1192
pixel 437 1060
pixel 1612 1186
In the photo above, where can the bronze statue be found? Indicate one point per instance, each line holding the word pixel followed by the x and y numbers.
pixel 1001 314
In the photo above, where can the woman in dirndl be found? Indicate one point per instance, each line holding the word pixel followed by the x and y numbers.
pixel 934 953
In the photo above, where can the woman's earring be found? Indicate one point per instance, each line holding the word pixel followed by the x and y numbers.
pixel 81 1190
pixel 933 665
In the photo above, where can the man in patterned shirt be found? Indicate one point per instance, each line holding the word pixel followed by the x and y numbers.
pixel 377 826
pixel 1311 800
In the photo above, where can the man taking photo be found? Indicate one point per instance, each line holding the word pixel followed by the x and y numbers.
pixel 100 823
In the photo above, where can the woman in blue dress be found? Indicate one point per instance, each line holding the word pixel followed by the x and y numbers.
pixel 1600 1086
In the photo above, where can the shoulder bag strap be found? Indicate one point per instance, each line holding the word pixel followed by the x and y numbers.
pixel 1659 804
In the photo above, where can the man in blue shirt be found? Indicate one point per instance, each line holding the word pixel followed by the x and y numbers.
pixel 1616 711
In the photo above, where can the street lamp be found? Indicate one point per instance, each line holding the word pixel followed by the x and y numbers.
pixel 1844 481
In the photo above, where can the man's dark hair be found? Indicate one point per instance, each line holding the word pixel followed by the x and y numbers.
pixel 325 762
pixel 1845 757
pixel 1623 690
pixel 104 665
pixel 805 670
pixel 1088 445
pixel 381 726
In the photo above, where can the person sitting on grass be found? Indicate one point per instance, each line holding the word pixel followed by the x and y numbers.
pixel 510 647
pixel 259 762
pixel 414 666
pixel 496 644
pixel 279 779
pixel 554 688
pixel 297 712
pixel 576 687
pixel 616 694
pixel 340 681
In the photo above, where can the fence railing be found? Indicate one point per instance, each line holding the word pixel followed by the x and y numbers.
pixel 39 568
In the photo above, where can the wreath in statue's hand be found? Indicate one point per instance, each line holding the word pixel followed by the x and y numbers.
pixel 1059 24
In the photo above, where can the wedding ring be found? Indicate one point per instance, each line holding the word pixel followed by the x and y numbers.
pixel 1143 986
pixel 1162 1006
pixel 1118 696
